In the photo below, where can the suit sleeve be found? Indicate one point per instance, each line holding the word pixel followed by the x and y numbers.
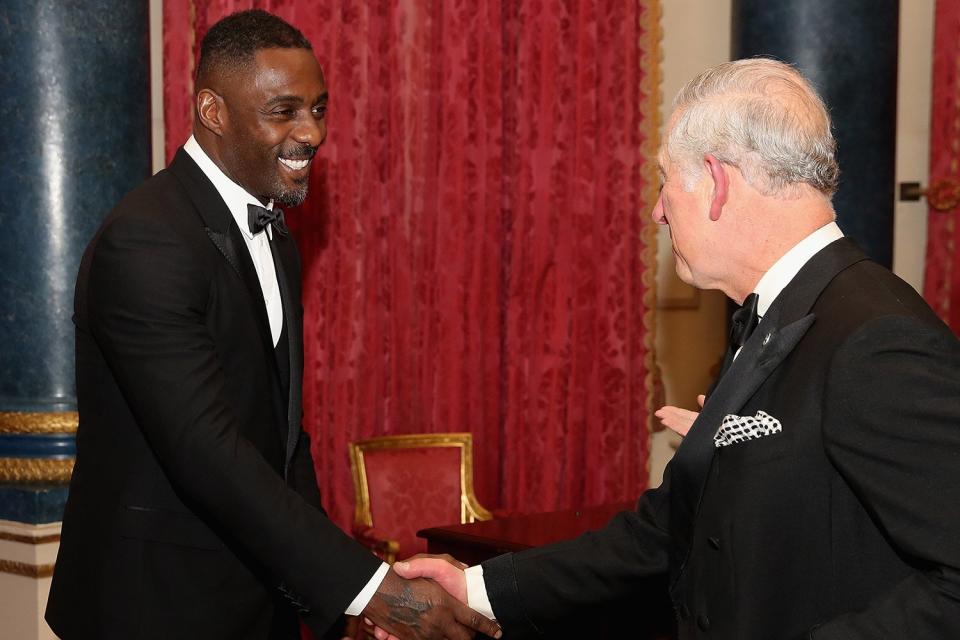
pixel 304 476
pixel 148 291
pixel 892 429
pixel 539 592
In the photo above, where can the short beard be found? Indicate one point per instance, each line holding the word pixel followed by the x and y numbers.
pixel 294 197
pixel 291 197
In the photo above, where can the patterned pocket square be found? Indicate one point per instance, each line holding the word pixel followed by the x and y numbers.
pixel 736 429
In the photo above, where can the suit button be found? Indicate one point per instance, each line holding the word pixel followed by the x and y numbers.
pixel 714 542
pixel 703 622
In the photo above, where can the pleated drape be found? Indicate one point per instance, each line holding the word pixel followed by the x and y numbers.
pixel 477 250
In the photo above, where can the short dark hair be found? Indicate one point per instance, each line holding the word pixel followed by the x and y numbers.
pixel 231 43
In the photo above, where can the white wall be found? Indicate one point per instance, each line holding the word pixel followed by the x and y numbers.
pixel 690 341
pixel 156 85
pixel 913 136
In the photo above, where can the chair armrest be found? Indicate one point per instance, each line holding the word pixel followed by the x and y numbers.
pixel 382 546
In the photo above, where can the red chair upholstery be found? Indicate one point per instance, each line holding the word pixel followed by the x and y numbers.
pixel 407 483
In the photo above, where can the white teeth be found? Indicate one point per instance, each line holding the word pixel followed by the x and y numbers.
pixel 296 165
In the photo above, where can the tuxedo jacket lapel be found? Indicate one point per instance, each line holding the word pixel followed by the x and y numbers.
pixel 285 260
pixel 248 274
pixel 765 350
pixel 782 327
pixel 224 234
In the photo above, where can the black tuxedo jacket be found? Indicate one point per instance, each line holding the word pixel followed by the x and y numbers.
pixel 845 524
pixel 193 509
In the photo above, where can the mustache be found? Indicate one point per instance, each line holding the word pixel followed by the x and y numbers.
pixel 299 152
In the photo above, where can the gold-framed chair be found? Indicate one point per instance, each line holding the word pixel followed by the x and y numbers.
pixel 405 483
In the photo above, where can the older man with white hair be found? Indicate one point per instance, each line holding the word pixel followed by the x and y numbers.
pixel 815 495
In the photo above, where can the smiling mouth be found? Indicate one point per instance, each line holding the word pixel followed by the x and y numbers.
pixel 295 165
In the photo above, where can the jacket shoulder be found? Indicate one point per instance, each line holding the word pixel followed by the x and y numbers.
pixel 867 291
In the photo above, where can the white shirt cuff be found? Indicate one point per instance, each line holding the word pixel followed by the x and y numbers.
pixel 363 598
pixel 477 598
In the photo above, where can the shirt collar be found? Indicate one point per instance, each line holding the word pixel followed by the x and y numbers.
pixel 236 197
pixel 784 269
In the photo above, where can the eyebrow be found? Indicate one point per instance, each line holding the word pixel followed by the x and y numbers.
pixel 323 97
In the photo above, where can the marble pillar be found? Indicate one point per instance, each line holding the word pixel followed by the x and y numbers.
pixel 74 108
pixel 849 51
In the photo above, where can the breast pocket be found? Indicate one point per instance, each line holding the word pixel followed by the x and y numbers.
pixel 754 451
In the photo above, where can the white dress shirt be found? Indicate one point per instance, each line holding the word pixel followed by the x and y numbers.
pixel 237 199
pixel 783 270
pixel 767 290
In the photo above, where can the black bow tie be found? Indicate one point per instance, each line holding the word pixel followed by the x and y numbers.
pixel 259 217
pixel 744 321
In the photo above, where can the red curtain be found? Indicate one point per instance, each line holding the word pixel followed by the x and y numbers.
pixel 476 244
pixel 942 277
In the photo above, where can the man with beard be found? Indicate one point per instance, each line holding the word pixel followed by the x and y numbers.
pixel 193 509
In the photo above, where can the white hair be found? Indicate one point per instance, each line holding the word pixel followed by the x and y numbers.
pixel 761 116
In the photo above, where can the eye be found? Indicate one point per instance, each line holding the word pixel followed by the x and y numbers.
pixel 283 113
pixel 320 111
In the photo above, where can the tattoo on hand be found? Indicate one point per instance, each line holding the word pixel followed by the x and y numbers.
pixel 405 608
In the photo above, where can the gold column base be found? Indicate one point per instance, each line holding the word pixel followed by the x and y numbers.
pixel 22 470
pixel 26 570
pixel 34 422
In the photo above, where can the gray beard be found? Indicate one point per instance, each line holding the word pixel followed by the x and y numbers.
pixel 291 197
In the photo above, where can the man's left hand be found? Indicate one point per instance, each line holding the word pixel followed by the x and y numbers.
pixel 677 419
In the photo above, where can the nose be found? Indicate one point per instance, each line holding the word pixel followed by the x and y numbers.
pixel 311 131
pixel 657 215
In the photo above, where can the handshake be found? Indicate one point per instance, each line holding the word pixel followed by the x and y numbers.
pixel 425 598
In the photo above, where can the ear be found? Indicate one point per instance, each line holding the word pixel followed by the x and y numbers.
pixel 721 185
pixel 211 110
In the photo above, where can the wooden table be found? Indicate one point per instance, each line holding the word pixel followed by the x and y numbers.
pixel 478 541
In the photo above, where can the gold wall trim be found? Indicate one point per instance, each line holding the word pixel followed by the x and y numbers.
pixel 650 43
pixel 38 422
pixel 19 537
pixel 35 470
pixel 27 570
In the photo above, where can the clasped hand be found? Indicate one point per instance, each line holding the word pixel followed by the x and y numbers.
pixel 408 606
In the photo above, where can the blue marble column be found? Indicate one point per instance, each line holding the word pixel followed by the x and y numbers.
pixel 74 108
pixel 849 50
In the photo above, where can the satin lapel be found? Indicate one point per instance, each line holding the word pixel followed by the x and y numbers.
pixel 765 350
pixel 224 234
pixel 226 247
pixel 249 275
pixel 783 326
pixel 285 258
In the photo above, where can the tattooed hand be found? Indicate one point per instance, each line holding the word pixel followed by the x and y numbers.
pixel 420 610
